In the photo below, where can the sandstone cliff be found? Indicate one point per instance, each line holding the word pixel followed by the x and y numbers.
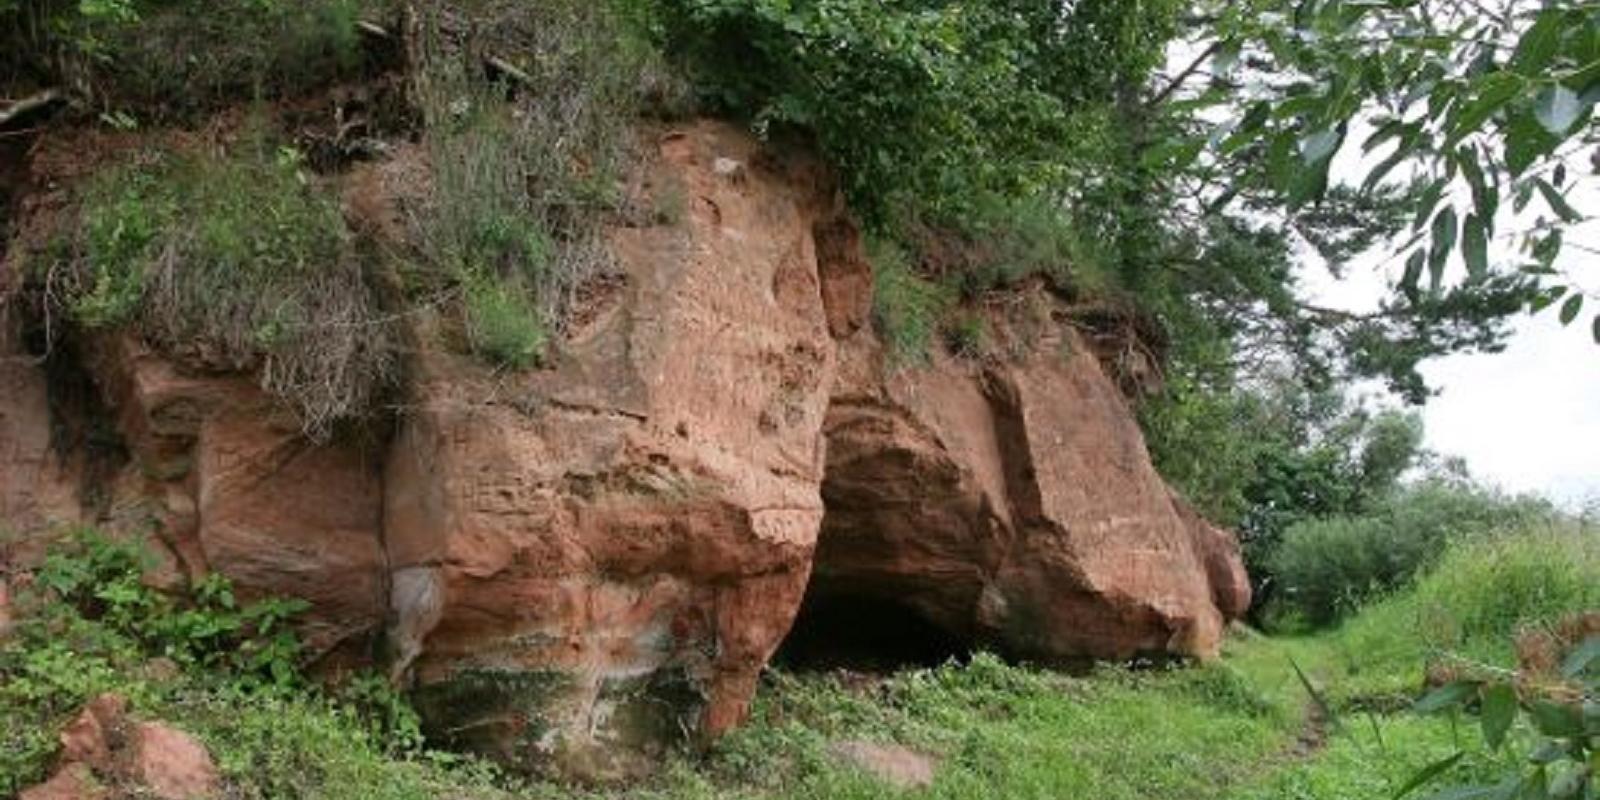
pixel 581 564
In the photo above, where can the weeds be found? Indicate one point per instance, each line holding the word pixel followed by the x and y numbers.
pixel 240 262
pixel 90 625
pixel 907 308
pixel 521 190
pixel 166 58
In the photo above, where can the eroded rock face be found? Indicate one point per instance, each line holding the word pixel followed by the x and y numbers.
pixel 582 564
pixel 592 558
pixel 234 487
pixel 1013 504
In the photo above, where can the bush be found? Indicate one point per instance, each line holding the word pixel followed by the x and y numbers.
pixel 167 58
pixel 1329 566
pixel 928 104
pixel 242 262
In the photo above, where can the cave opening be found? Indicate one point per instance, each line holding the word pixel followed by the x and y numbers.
pixel 865 632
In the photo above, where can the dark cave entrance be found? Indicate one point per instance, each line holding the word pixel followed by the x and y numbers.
pixel 865 632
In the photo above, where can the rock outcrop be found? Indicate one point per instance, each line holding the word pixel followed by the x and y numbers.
pixel 579 564
pixel 106 754
pixel 592 557
pixel 1011 503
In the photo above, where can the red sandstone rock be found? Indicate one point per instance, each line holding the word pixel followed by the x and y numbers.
pixel 72 782
pixel 38 487
pixel 593 558
pixel 101 746
pixel 1013 504
pixel 580 563
pixel 171 764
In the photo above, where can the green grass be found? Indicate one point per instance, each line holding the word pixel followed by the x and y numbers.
pixel 907 308
pixel 1237 729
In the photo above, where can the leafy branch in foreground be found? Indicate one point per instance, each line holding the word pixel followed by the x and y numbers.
pixel 1562 714
pixel 1482 107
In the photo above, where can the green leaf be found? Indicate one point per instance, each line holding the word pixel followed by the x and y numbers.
pixel 1428 202
pixel 1447 696
pixel 1413 274
pixel 1428 773
pixel 1538 43
pixel 1546 298
pixel 1570 309
pixel 1475 246
pixel 1555 719
pixel 1557 203
pixel 1485 198
pixel 1494 91
pixel 1580 659
pixel 1319 146
pixel 1526 142
pixel 1499 710
pixel 1597 329
pixel 1444 241
pixel 1556 108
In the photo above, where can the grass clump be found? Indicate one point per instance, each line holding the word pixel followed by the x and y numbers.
pixel 521 190
pixel 907 308
pixel 238 262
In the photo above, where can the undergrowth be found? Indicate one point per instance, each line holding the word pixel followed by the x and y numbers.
pixel 907 308
pixel 226 671
pixel 238 261
pixel 153 58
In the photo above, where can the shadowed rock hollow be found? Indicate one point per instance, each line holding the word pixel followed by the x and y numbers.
pixel 579 565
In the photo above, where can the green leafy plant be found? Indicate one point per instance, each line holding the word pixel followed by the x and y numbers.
pixel 102 580
pixel 1563 731
pixel 907 308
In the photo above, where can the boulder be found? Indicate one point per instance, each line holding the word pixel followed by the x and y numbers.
pixel 593 559
pixel 1011 503
pixel 103 748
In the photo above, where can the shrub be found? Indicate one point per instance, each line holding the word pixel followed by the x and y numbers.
pixel 241 261
pixel 502 326
pixel 907 308
pixel 932 104
pixel 1327 567
pixel 175 57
